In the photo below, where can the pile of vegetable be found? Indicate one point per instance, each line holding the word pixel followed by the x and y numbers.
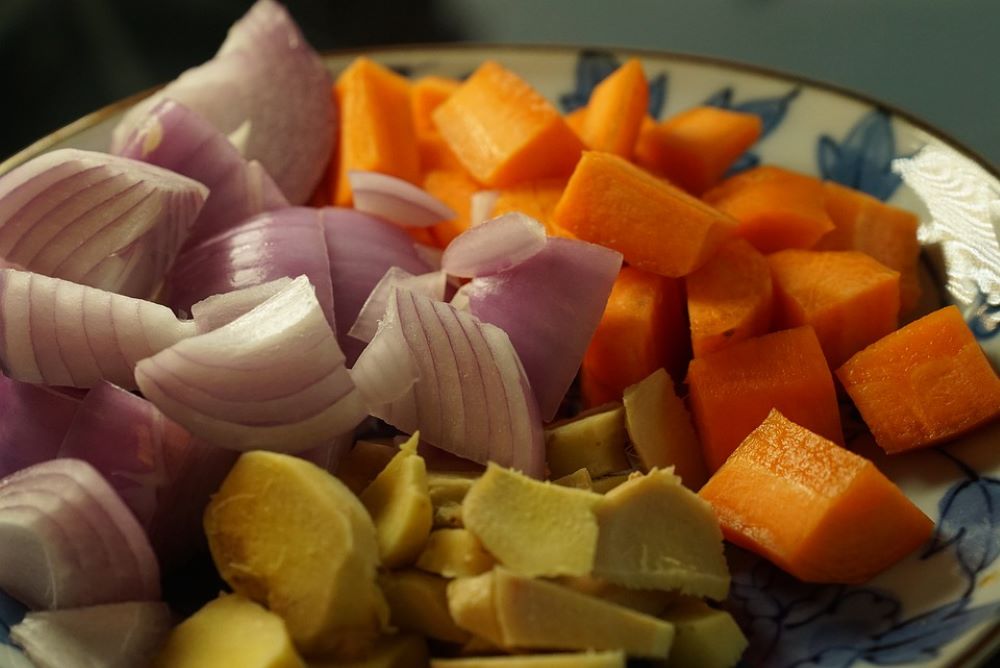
pixel 342 335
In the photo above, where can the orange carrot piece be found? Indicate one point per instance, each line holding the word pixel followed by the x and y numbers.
pixel 376 127
pixel 730 299
pixel 537 199
pixel 435 155
pixel 593 393
pixel 887 233
pixel 849 298
pixel 817 510
pixel 733 390
pixel 776 208
pixel 616 109
pixel 504 131
pixel 926 383
pixel 695 148
pixel 657 227
pixel 643 329
pixel 427 94
pixel 455 188
pixel 575 120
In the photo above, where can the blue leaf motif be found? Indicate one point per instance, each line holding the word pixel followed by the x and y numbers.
pixel 722 98
pixel 593 67
pixel 771 110
pixel 863 160
pixel 970 521
pixel 921 637
pixel 657 94
pixel 11 612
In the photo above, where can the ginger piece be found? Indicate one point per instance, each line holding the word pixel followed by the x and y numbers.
pixel 447 491
pixel 574 660
pixel 705 637
pixel 363 462
pixel 580 479
pixel 607 483
pixel 418 602
pixel 594 440
pixel 454 553
pixel 406 650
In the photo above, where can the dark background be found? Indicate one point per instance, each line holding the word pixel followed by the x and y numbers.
pixel 939 59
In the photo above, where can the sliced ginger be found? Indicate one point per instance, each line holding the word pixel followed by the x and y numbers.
pixel 418 602
pixel 594 441
pixel 454 553
pixel 562 660
pixel 287 534
pixel 400 505
pixel 705 637
pixel 405 650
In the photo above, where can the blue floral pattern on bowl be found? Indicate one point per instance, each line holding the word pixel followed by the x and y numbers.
pixel 771 111
pixel 592 67
pixel 863 160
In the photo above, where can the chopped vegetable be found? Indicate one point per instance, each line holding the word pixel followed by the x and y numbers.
pixel 615 111
pixel 593 441
pixel 705 637
pixel 493 247
pixel 430 285
pixel 395 200
pixel 454 553
pixel 418 602
pixel 611 659
pixel 33 421
pixel 537 198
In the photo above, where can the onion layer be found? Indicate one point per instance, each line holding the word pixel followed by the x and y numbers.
pixel 494 246
pixel 395 200
pixel 97 219
pixel 430 285
pixel 272 379
pixel 268 89
pixel 68 541
pixel 550 306
pixel 33 421
pixel 118 635
pixel 455 379
pixel 61 333
pixel 222 309
pixel 176 138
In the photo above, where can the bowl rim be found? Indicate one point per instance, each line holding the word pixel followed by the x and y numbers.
pixel 93 118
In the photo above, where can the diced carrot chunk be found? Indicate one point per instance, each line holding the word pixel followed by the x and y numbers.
pixel 427 94
pixel 504 131
pixel 777 208
pixel 575 120
pixel 695 148
pixel 615 111
pixel 817 510
pixel 537 199
pixel 925 383
pixel 657 227
pixel 376 126
pixel 733 390
pixel 455 188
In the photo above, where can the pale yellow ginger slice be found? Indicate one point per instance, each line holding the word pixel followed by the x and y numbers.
pixel 706 637
pixel 454 553
pixel 290 536
pixel 609 482
pixel 580 479
pixel 537 614
pixel 230 631
pixel 400 505
pixel 418 602
pixel 657 534
pixel 363 462
pixel 647 601
pixel 562 660
pixel 660 429
pixel 594 440
pixel 532 527
pixel 405 650
pixel 447 491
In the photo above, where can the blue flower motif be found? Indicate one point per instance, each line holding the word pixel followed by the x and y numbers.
pixel 984 320
pixel 592 67
pixel 864 159
pixel 771 110
pixel 11 613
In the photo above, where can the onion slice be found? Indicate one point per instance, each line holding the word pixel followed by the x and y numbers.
pixel 61 333
pixel 33 421
pixel 430 285
pixel 494 246
pixel 272 379
pixel 481 206
pixel 162 474
pixel 267 87
pixel 117 635
pixel 395 200
pixel 361 248
pixel 283 243
pixel 97 219
pixel 219 310
pixel 176 138
pixel 67 540
pixel 455 379
pixel 550 306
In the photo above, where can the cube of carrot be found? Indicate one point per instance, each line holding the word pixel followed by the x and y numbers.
pixel 537 198
pixel 734 389
pixel 376 127
pixel 504 131
pixel 615 111
pixel 455 188
pixel 777 208
pixel 925 383
pixel 730 299
pixel 656 226
pixel 849 298
pixel 426 95
pixel 695 148
pixel 887 233
pixel 815 509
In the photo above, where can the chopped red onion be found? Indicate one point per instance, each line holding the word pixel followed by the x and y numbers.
pixel 361 248
pixel 496 245
pixel 116 635
pixel 272 379
pixel 455 379
pixel 550 306
pixel 481 206
pixel 33 421
pixel 96 219
pixel 61 333
pixel 219 310
pixel 284 243
pixel 267 88
pixel 430 285
pixel 395 200
pixel 176 138
pixel 67 540
pixel 162 474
